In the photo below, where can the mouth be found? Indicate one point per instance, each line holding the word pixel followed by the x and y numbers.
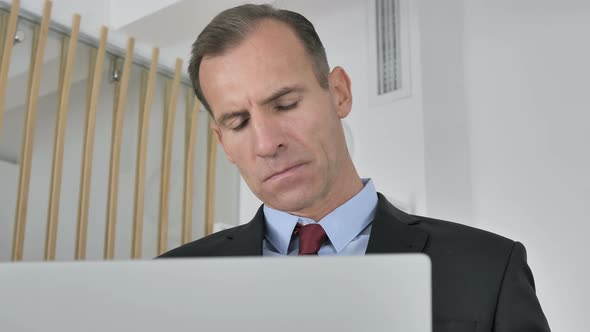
pixel 283 172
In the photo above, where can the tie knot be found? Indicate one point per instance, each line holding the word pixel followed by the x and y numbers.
pixel 311 238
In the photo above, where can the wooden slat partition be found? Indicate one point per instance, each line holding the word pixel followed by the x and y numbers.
pixel 88 149
pixel 9 29
pixel 63 57
pixel 192 118
pixel 147 95
pixel 211 171
pixel 4 17
pixel 121 89
pixel 169 116
pixel 90 77
pixel 71 38
pixel 39 41
pixel 68 61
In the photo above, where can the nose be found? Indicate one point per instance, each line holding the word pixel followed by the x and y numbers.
pixel 268 136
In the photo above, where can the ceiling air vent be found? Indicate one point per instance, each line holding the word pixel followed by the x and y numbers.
pixel 388 57
pixel 389 53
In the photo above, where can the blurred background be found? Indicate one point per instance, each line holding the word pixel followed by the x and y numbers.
pixel 474 111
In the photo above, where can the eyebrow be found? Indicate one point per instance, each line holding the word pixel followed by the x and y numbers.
pixel 281 92
pixel 274 96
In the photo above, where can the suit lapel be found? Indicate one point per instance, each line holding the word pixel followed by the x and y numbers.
pixel 392 231
pixel 246 240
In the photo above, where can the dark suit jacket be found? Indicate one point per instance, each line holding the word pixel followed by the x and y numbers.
pixel 480 281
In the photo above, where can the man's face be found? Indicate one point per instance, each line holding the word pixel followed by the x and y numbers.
pixel 275 121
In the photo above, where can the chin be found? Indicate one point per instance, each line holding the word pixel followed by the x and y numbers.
pixel 290 201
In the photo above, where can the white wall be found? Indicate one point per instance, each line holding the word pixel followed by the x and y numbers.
pixel 506 130
pixel 446 125
pixel 527 95
pixel 128 11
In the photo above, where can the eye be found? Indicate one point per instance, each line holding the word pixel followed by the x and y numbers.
pixel 241 125
pixel 286 107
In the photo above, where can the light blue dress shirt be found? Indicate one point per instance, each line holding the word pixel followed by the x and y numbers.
pixel 348 227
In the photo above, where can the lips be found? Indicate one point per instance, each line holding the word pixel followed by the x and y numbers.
pixel 282 171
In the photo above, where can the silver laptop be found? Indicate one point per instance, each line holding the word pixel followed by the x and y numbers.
pixel 368 293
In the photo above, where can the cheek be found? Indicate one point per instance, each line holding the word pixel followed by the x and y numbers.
pixel 318 127
pixel 326 140
pixel 240 152
pixel 311 119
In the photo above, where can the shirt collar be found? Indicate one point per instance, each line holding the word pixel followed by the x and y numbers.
pixel 279 228
pixel 341 225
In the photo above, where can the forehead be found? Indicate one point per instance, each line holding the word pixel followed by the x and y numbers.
pixel 270 57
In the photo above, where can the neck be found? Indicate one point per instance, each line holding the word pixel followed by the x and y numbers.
pixel 344 188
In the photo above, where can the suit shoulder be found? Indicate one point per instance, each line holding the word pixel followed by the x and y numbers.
pixel 445 228
pixel 464 256
pixel 205 246
pixel 462 238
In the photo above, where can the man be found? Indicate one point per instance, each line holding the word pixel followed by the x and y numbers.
pixel 263 75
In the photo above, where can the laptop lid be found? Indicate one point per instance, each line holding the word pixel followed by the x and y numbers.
pixel 362 293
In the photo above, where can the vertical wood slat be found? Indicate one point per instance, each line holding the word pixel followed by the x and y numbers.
pixel 88 148
pixel 118 116
pixel 39 41
pixel 211 170
pixel 192 118
pixel 4 16
pixel 63 57
pixel 58 146
pixel 8 30
pixel 142 95
pixel 169 116
pixel 146 97
pixel 82 226
pixel 90 76
pixel 166 102
pixel 162 237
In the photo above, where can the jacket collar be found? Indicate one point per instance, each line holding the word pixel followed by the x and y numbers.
pixel 392 231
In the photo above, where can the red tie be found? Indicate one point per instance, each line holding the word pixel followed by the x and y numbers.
pixel 311 238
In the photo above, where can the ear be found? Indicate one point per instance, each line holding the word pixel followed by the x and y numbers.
pixel 217 132
pixel 340 91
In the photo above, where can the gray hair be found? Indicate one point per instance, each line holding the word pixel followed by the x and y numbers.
pixel 233 25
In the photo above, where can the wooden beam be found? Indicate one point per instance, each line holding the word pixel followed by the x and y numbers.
pixel 121 89
pixel 211 170
pixel 192 118
pixel 32 103
pixel 147 94
pixel 88 148
pixel 68 61
pixel 8 31
pixel 169 115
